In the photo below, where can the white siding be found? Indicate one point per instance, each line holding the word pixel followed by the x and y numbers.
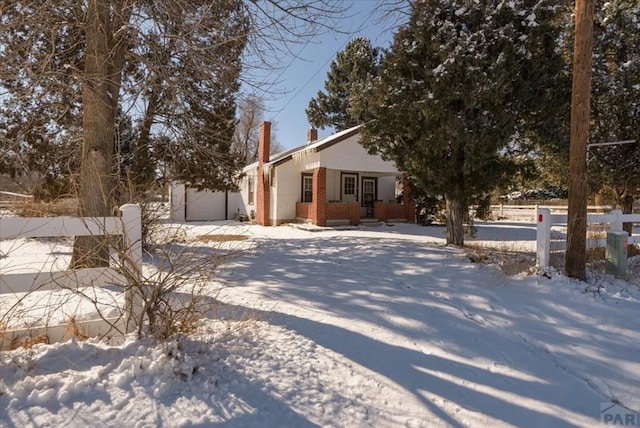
pixel 235 205
pixel 242 204
pixel 333 185
pixel 387 188
pixel 288 182
pixel 176 200
pixel 205 205
pixel 349 155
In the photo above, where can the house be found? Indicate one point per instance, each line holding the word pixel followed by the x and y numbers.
pixel 324 182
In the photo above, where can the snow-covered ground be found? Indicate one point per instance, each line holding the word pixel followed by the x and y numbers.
pixel 372 327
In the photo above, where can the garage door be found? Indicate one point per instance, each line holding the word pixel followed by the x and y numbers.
pixel 205 205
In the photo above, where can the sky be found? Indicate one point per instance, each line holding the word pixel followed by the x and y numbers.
pixel 303 77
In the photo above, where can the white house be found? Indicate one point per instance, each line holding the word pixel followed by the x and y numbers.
pixel 333 180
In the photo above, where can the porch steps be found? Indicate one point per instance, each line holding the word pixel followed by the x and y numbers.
pixel 371 222
pixel 397 220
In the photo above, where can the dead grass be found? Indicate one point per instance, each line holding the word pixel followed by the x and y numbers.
pixel 74 330
pixel 61 207
pixel 220 238
pixel 510 262
pixel 28 342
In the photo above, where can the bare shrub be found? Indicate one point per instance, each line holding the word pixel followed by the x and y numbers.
pixel 168 297
pixel 178 293
pixel 510 259
pixel 33 208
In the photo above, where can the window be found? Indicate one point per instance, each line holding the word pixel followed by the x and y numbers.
pixel 349 185
pixel 250 189
pixel 307 188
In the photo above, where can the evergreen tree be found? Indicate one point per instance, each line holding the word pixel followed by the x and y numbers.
pixel 347 78
pixel 616 101
pixel 462 82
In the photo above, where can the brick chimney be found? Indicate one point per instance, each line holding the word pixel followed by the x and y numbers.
pixel 312 135
pixel 263 195
pixel 264 143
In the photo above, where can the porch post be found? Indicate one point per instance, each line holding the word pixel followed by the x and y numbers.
pixel 262 184
pixel 319 201
pixel 409 205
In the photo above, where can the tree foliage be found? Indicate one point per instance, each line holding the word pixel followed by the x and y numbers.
pixel 616 101
pixel 463 83
pixel 347 79
pixel 176 65
pixel 173 65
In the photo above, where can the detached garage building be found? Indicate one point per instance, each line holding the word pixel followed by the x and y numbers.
pixel 190 204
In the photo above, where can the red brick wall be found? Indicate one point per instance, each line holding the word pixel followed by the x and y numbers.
pixel 263 197
pixel 344 211
pixel 380 211
pixel 396 211
pixel 355 213
pixel 303 210
pixel 384 211
pixel 319 204
pixel 336 211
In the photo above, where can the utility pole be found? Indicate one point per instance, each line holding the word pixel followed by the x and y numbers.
pixel 576 254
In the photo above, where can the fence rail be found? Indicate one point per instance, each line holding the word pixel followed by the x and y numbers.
pixel 529 210
pixel 545 220
pixel 128 225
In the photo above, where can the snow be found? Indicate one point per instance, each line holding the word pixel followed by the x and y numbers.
pixel 381 326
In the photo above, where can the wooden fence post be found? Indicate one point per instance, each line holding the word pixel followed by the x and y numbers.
pixel 543 238
pixel 132 237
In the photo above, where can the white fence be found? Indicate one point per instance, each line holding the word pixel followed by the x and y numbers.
pixel 128 226
pixel 545 221
pixel 528 211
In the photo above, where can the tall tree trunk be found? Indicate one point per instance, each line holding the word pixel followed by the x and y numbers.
pixel 103 68
pixel 626 203
pixel 455 221
pixel 144 170
pixel 575 258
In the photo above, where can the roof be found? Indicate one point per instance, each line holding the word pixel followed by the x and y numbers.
pixel 315 147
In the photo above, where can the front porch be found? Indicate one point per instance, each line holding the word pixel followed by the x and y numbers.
pixel 323 214
pixel 321 204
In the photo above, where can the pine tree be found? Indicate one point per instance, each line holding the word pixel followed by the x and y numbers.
pixel 347 78
pixel 461 82
pixel 615 102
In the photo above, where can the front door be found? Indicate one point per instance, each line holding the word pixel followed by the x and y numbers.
pixel 349 187
pixel 368 195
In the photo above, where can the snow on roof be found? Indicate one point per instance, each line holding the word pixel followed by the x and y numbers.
pixel 306 148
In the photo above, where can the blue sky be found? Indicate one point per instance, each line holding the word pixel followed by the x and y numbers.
pixel 305 76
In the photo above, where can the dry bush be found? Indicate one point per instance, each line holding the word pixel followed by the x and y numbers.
pixel 170 298
pixel 510 260
pixel 32 208
pixel 28 342
pixel 182 289
pixel 73 329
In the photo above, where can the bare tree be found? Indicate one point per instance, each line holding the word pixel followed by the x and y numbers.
pixel 159 61
pixel 575 259
pixel 245 139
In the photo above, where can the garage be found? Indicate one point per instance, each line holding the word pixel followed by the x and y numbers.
pixel 190 204
pixel 205 205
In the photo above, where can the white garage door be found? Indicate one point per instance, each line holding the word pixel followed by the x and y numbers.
pixel 205 205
